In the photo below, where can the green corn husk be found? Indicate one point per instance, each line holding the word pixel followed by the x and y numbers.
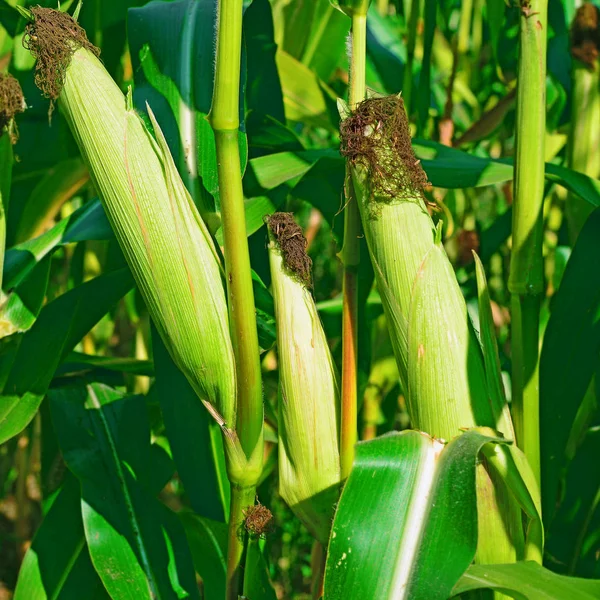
pixel 439 356
pixel 584 139
pixel 309 461
pixel 156 223
pixel 11 104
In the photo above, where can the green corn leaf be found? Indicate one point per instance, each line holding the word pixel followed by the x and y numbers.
pixel 86 223
pixel 573 539
pixel 60 326
pixel 194 437
pixel 48 196
pixel 526 581
pixel 64 570
pixel 137 545
pixel 569 357
pixel 489 345
pixel 207 540
pixel 387 540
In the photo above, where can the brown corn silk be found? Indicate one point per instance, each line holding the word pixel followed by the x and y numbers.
pixel 11 104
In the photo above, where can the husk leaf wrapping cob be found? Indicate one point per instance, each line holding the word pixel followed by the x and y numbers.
pixel 11 104
pixel 439 357
pixel 156 223
pixel 309 461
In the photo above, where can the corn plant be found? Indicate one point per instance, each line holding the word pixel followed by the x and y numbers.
pixel 299 300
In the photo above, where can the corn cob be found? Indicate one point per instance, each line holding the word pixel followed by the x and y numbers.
pixel 439 357
pixel 309 462
pixel 11 104
pixel 156 223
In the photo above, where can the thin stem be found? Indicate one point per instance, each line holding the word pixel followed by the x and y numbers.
pixel 245 471
pixel 317 562
pixel 350 256
pixel 527 267
pixel 241 499
pixel 411 41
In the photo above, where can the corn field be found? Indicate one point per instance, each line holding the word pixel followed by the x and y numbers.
pixel 300 299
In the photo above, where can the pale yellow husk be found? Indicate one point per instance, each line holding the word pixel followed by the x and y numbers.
pixel 309 462
pixel 159 229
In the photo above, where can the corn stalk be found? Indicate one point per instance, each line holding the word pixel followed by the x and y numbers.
pixel 224 119
pixel 350 252
pixel 527 268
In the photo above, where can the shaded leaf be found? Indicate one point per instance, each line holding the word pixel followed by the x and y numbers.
pixel 60 326
pixel 60 570
pixel 256 574
pixel 194 437
pixel 208 545
pixel 573 543
pixel 569 356
pixel 137 545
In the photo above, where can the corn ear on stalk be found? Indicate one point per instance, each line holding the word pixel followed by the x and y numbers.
pixel 584 139
pixel 157 225
pixel 425 309
pixel 309 463
pixel 11 104
pixel 439 357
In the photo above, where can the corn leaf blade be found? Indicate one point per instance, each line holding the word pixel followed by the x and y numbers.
pixel 194 437
pixel 569 356
pixel 526 581
pixel 51 570
pixel 137 545
pixel 386 541
pixel 60 326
